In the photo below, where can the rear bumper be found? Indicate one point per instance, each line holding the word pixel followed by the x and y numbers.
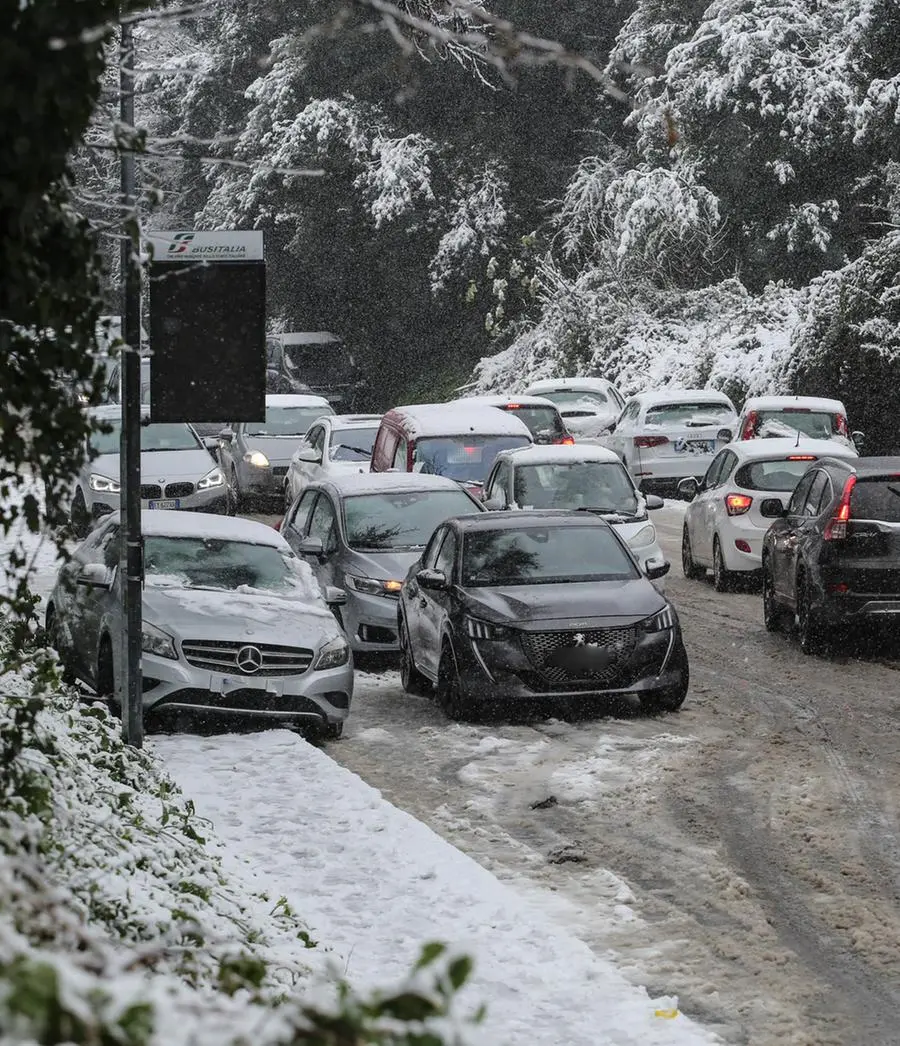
pixel 738 558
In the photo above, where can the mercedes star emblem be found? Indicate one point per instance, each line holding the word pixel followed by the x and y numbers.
pixel 249 659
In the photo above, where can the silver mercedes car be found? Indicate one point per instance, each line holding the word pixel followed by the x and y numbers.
pixel 233 622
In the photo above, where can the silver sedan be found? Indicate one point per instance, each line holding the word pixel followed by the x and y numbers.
pixel 233 622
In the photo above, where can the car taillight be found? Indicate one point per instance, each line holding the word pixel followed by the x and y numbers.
pixel 843 426
pixel 650 441
pixel 566 441
pixel 277 525
pixel 737 504
pixel 801 457
pixel 836 527
pixel 749 429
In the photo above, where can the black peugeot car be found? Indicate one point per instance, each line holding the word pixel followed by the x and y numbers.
pixel 831 559
pixel 526 609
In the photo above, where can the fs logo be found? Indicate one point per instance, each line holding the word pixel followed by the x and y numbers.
pixel 180 242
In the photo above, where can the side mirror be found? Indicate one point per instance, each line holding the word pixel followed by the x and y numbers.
pixel 653 501
pixel 688 487
pixel 433 580
pixel 725 435
pixel 771 508
pixel 334 596
pixel 656 568
pixel 311 547
pixel 859 438
pixel 225 436
pixel 494 504
pixel 309 454
pixel 96 575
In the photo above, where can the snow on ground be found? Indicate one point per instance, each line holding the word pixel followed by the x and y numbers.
pixel 375 884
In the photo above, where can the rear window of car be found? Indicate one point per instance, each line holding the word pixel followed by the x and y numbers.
pixel 876 498
pixel 813 423
pixel 778 474
pixel 677 413
pixel 463 458
pixel 577 397
pixel 540 421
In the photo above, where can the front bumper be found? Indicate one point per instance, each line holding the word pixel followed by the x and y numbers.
pixel 312 697
pixel 212 500
pixel 370 623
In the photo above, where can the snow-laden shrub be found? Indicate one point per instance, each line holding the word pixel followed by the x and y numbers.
pixel 118 925
pixel 848 343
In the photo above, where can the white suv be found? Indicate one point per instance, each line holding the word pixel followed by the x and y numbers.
pixel 804 417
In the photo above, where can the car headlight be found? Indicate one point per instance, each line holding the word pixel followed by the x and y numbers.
pixel 155 641
pixel 213 478
pixel 103 484
pixel 372 586
pixel 478 629
pixel 335 653
pixel 257 459
pixel 644 537
pixel 662 622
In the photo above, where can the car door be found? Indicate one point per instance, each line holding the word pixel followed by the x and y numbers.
pixel 713 511
pixel 697 514
pixel 820 497
pixel 296 521
pixel 226 451
pixel 302 473
pixel 94 602
pixel 789 532
pixel 323 525
pixel 622 437
pixel 435 605
pixel 414 596
pixel 72 600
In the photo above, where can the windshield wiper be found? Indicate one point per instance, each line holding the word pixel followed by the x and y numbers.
pixel 356 450
pixel 604 511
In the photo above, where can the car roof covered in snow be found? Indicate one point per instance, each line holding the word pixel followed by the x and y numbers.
pixel 295 399
pixel 664 397
pixel 384 483
pixel 113 411
pixel 575 384
pixel 503 401
pixel 174 524
pixel 760 449
pixel 456 419
pixel 782 402
pixel 354 421
pixel 558 454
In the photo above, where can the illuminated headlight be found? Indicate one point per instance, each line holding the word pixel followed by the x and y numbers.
pixel 372 586
pixel 478 629
pixel 155 641
pixel 335 653
pixel 664 621
pixel 213 478
pixel 257 459
pixel 103 484
pixel 644 537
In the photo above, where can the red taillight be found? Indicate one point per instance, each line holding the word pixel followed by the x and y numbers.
pixel 650 441
pixel 843 426
pixel 513 406
pixel 277 525
pixel 836 527
pixel 737 504
pixel 801 457
pixel 840 588
pixel 749 429
pixel 567 441
pixel 470 450
pixel 742 546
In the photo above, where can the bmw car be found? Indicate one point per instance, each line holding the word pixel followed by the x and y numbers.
pixel 520 610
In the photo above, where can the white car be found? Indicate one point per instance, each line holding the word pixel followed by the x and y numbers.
pixel 582 478
pixel 726 521
pixel 663 437
pixel 810 417
pixel 587 405
pixel 335 445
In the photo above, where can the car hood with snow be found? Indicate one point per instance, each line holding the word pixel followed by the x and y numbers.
pixel 161 466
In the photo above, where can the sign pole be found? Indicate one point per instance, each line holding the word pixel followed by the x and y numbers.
pixel 130 690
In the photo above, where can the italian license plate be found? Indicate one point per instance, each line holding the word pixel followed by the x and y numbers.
pixel 694 446
pixel 167 503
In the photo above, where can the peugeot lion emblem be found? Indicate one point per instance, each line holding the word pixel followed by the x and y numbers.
pixel 249 659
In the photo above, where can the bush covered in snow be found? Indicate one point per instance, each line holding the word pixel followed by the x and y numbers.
pixel 118 926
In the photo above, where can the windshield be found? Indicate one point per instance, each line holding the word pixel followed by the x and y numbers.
pixel 579 484
pixel 876 498
pixel 401 520
pixel 162 436
pixel 540 421
pixel 320 364
pixel 287 421
pixel 196 562
pixel 467 459
pixel 352 444
pixel 678 413
pixel 577 398
pixel 778 475
pixel 814 423
pixel 544 555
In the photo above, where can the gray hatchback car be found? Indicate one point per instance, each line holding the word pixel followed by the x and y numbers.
pixel 362 532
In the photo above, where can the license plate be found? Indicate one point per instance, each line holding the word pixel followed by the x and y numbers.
pixel 169 503
pixel 694 446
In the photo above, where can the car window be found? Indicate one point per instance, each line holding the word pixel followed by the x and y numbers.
pixel 876 498
pixel 400 456
pixel 631 412
pixel 680 413
pixel 324 523
pixel 352 444
pixel 316 439
pixel 463 458
pixel 814 497
pixel 778 474
pixel 789 421
pixel 286 421
pixel 799 497
pixel 544 423
pixel 431 551
pixel 499 485
pixel 447 554
pixel 300 516
pixel 717 471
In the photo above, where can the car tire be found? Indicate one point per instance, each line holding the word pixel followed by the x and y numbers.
pixel 452 697
pixel 54 638
pixel 809 626
pixel 673 697
pixel 79 517
pixel 774 616
pixel 411 679
pixel 691 570
pixel 723 578
pixel 331 731
pixel 233 496
pixel 106 672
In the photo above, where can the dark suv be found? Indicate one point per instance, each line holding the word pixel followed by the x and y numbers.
pixel 832 557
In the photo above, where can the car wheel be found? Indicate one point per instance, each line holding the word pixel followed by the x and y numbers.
pixel 773 614
pixel 79 516
pixel 723 578
pixel 54 637
pixel 672 698
pixel 233 496
pixel 331 731
pixel 809 626
pixel 411 679
pixel 455 702
pixel 691 570
pixel 106 673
